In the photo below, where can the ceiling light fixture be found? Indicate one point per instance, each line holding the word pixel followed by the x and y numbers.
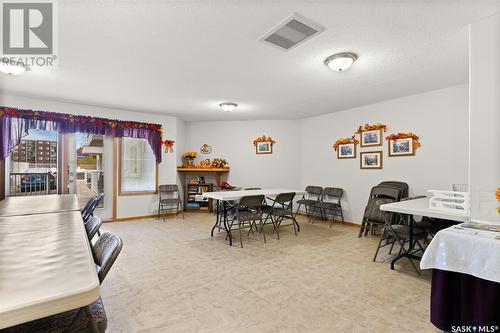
pixel 11 67
pixel 341 61
pixel 228 107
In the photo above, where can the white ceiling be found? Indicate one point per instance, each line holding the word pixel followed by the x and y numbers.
pixel 185 57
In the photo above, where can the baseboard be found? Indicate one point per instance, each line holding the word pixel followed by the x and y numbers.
pixel 350 224
pixel 141 217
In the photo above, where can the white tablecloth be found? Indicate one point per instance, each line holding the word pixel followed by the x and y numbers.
pixel 463 250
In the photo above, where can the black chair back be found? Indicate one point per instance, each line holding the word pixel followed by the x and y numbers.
pixel 251 201
pixel 92 226
pixel 284 198
pixel 106 250
pixel 90 211
pixel 388 192
pixel 333 194
pixel 402 186
pixel 170 188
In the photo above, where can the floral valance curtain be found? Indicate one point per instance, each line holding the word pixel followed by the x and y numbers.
pixel 15 124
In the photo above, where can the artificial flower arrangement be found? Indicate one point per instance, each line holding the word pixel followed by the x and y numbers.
pixel 169 145
pixel 264 138
pixel 344 141
pixel 497 194
pixel 219 163
pixel 205 164
pixel 189 157
pixel 409 135
pixel 368 127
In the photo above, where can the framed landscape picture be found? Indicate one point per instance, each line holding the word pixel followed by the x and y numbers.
pixel 370 160
pixel 401 147
pixel 371 138
pixel 346 150
pixel 264 147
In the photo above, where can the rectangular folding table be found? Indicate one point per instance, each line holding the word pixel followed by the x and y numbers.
pixel 38 204
pixel 46 265
pixel 226 196
pixel 418 207
pixel 465 288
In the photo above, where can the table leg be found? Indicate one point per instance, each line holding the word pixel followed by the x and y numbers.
pixel 224 210
pixel 294 220
pixel 216 219
pixel 410 247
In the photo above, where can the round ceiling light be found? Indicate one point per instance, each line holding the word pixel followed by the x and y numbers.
pixel 341 61
pixel 228 106
pixel 10 67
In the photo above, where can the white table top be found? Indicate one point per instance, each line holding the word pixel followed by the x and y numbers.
pixel 236 195
pixel 46 266
pixel 420 207
pixel 465 250
pixel 38 204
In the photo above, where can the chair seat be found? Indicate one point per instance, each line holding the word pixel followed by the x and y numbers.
pixel 61 322
pixel 249 216
pixel 281 212
pixel 404 230
pixel 307 202
pixel 327 205
pixel 170 201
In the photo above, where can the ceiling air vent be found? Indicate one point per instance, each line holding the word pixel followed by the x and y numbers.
pixel 294 31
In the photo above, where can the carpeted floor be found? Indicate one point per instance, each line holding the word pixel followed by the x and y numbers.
pixel 173 277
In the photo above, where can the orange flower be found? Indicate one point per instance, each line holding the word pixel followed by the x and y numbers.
pixel 264 138
pixel 343 142
pixel 497 194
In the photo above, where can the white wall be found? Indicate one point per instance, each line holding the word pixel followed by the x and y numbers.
pixel 485 117
pixel 439 118
pixel 232 140
pixel 127 206
pixel 304 155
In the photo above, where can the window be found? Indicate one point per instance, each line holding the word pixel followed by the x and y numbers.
pixel 138 169
pixel 90 168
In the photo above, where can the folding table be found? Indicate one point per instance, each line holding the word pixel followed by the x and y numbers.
pixel 418 207
pixel 38 204
pixel 46 265
pixel 226 196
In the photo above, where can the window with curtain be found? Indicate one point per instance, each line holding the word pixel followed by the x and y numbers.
pixel 138 168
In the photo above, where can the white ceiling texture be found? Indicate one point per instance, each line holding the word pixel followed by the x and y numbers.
pixel 183 58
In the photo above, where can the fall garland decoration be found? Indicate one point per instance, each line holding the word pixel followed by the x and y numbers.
pixel 368 127
pixel 497 194
pixel 409 135
pixel 219 163
pixel 344 142
pixel 169 145
pixel 264 138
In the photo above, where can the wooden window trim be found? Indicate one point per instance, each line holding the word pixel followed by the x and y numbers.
pixel 124 194
pixel 2 179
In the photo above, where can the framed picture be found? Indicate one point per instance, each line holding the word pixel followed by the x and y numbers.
pixel 264 147
pixel 401 147
pixel 371 138
pixel 370 160
pixel 346 150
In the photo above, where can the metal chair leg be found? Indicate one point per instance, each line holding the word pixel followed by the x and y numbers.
pixel 241 236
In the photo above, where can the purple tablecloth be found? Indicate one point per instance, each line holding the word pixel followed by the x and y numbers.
pixel 464 300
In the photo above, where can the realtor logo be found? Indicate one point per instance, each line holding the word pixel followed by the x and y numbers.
pixel 28 31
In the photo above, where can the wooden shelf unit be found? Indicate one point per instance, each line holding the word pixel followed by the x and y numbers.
pixel 192 172
pixel 197 189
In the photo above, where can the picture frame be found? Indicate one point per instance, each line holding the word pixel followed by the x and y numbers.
pixel 264 147
pixel 401 147
pixel 371 138
pixel 346 150
pixel 371 160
